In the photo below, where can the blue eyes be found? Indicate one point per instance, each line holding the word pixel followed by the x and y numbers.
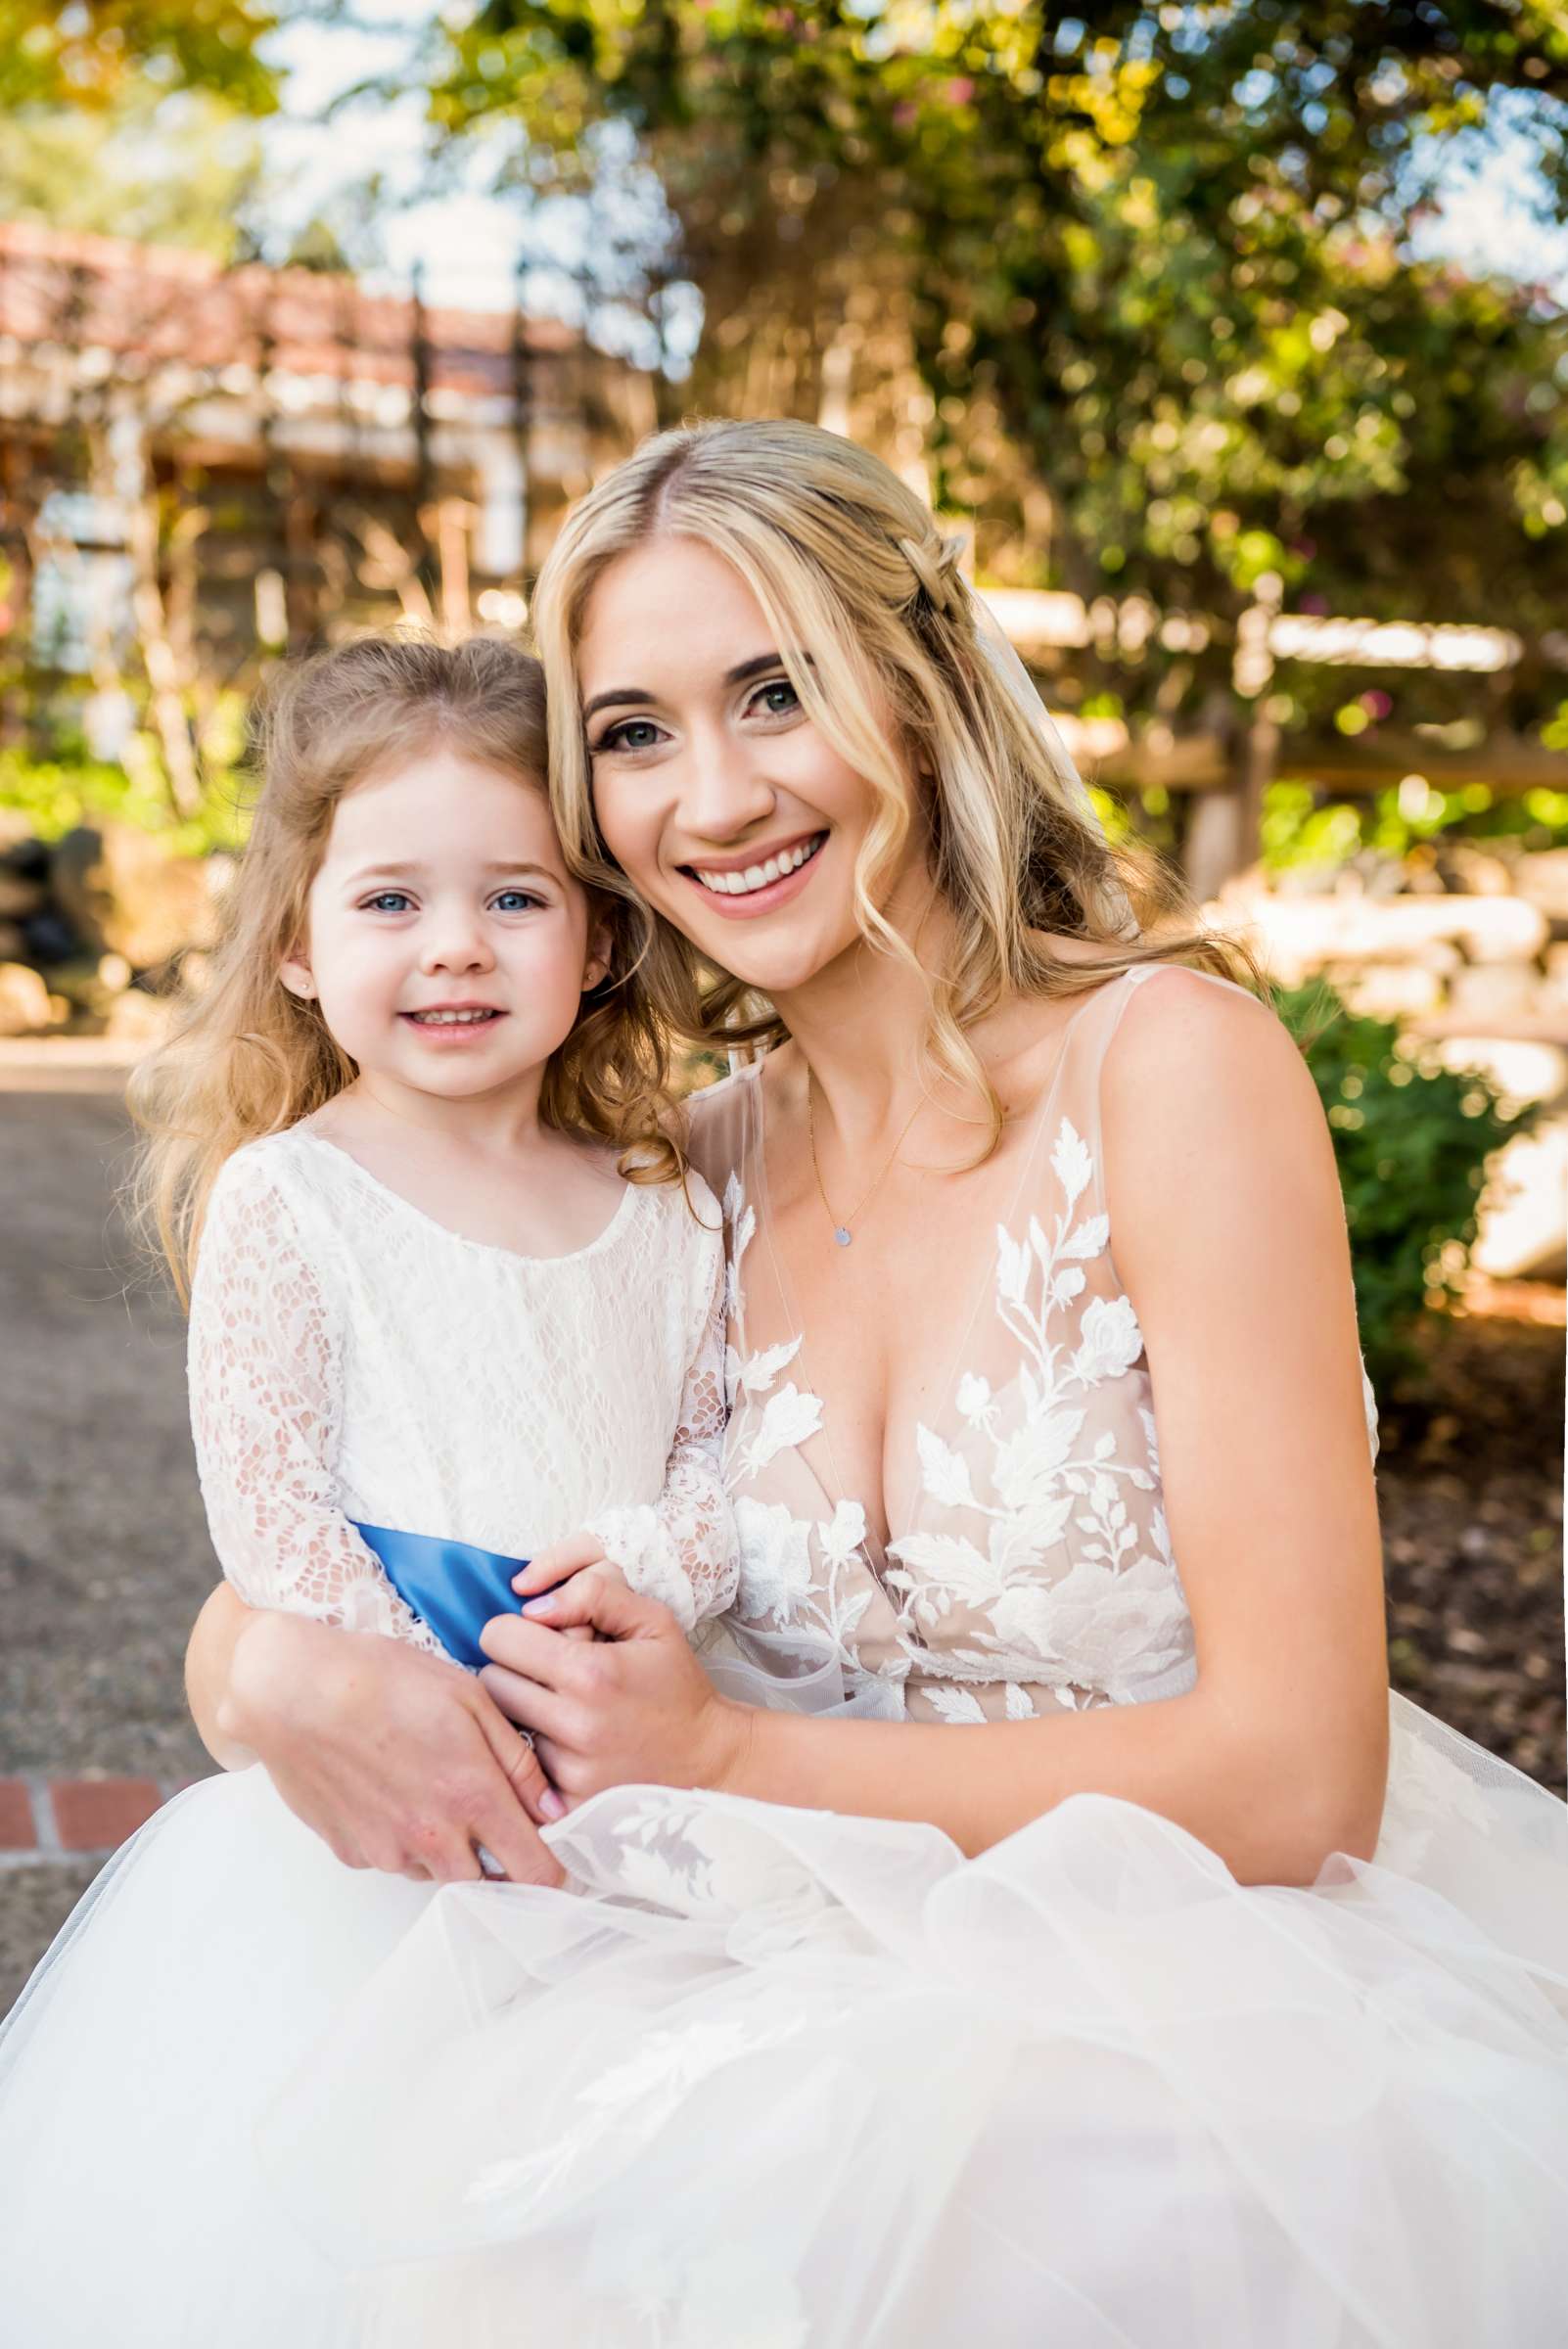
pixel 398 900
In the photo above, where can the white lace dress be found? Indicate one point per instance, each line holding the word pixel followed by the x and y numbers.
pixel 352 1363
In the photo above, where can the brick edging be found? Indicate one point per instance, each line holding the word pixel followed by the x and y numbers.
pixel 56 1823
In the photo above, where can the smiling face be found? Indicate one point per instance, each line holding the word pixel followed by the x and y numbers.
pixel 722 802
pixel 446 944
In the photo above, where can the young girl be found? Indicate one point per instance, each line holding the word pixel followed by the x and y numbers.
pixel 454 1307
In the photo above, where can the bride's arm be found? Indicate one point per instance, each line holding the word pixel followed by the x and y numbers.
pixel 208 1667
pixel 1229 1237
pixel 398 1760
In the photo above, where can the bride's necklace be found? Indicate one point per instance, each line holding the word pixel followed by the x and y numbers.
pixel 841 1231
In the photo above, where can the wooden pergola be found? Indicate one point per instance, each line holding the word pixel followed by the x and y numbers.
pixel 1228 770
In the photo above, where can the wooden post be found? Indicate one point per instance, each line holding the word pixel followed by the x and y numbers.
pixel 453 516
pixel 522 401
pixel 423 468
pixel 1224 833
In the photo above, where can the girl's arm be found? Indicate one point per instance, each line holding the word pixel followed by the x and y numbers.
pixel 680 1548
pixel 1230 1238
pixel 266 1388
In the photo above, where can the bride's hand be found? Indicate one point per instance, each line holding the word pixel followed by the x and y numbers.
pixel 631 1708
pixel 399 1760
pixel 553 1568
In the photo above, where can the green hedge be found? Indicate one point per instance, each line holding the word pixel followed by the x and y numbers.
pixel 1412 1142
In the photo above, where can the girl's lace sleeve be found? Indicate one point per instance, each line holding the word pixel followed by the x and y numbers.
pixel 681 1547
pixel 265 1389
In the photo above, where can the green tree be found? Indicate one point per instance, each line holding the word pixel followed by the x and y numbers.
pixel 91 53
pixel 159 168
pixel 1154 259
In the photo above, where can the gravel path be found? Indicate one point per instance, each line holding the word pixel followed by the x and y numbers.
pixel 104 1556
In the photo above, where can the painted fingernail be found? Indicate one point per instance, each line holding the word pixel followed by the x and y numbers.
pixel 551 1805
pixel 543 1605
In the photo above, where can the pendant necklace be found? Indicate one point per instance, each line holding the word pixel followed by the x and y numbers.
pixel 841 1231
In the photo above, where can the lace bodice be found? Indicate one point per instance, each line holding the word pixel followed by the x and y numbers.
pixel 351 1360
pixel 1038 1570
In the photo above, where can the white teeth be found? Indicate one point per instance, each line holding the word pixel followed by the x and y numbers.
pixel 759 876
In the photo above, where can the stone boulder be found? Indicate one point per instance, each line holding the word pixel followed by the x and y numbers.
pixel 1543 878
pixel 25 1005
pixel 124 892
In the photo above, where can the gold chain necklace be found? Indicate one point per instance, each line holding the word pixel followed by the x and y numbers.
pixel 841 1231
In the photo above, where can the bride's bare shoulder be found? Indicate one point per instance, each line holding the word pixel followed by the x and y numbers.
pixel 1195 1055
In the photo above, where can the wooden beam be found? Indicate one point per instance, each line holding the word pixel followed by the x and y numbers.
pixel 1506 763
pixel 1351 767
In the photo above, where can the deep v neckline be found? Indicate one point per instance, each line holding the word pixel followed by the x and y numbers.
pixel 876 1553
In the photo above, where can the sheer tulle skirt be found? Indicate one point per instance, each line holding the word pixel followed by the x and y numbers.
pixel 207 1958
pixel 780 2079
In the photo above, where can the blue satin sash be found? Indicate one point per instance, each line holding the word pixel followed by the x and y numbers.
pixel 452 1586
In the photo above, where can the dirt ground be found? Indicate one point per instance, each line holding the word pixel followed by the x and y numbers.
pixel 104 1556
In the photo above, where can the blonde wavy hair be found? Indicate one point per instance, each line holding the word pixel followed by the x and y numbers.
pixel 869 615
pixel 247 1057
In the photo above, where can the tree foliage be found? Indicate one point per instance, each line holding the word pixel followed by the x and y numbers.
pixel 89 53
pixel 1155 258
pixel 161 168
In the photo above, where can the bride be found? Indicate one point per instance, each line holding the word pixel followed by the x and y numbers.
pixel 1198 1991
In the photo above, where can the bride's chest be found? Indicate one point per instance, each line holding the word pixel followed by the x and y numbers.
pixel 972 1366
pixel 883 1322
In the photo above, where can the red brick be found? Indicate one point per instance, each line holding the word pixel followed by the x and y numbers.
pixel 17 1830
pixel 93 1814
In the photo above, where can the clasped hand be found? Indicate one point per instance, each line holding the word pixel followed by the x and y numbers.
pixel 604 1681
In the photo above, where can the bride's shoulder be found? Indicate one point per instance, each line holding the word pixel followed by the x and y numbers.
pixel 1162 1005
pixel 1190 1054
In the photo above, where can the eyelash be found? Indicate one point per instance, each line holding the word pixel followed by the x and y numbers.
pixel 609 740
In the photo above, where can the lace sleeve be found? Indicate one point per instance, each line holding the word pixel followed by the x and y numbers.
pixel 681 1547
pixel 266 1390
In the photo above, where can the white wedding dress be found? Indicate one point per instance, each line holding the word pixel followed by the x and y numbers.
pixel 775 2078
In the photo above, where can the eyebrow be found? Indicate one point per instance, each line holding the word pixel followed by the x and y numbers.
pixel 625 695
pixel 409 873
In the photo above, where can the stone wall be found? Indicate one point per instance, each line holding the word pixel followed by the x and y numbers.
pixel 93 927
pixel 1472 963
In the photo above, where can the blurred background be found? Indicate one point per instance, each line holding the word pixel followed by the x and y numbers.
pixel 1232 338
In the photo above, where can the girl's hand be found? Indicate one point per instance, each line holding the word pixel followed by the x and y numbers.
pixel 564 1563
pixel 399 1760
pixel 632 1709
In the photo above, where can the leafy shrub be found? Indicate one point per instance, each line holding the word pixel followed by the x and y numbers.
pixel 1412 1142
pixel 53 796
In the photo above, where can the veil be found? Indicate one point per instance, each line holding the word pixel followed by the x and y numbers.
pixel 1112 907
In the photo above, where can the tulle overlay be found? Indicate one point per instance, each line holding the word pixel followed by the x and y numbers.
pixel 778 2078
